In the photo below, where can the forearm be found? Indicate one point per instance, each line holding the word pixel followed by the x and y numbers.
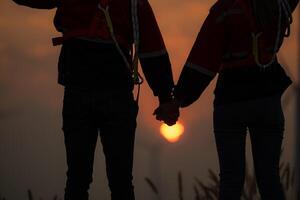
pixel 190 86
pixel 158 73
pixel 293 4
pixel 39 4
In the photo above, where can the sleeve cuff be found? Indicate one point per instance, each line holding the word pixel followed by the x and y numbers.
pixel 165 98
pixel 190 86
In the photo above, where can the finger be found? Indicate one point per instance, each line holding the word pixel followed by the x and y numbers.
pixel 171 117
pixel 159 118
pixel 171 123
pixel 157 111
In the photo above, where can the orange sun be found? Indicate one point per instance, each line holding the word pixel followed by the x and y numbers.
pixel 172 133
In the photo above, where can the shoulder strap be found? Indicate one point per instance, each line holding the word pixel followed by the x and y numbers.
pixel 247 11
pixel 104 3
pixel 136 37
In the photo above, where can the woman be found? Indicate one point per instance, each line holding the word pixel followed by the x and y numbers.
pixel 239 40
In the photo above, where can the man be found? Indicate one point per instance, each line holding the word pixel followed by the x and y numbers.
pixel 98 72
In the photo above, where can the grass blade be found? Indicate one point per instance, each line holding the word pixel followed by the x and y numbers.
pixel 207 191
pixel 152 186
pixel 197 193
pixel 30 196
pixel 180 186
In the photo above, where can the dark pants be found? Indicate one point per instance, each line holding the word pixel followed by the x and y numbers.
pixel 265 121
pixel 86 113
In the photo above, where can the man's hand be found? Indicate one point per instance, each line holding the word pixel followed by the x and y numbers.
pixel 168 112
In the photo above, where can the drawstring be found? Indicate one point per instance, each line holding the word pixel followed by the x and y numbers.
pixel 282 5
pixel 138 94
pixel 136 38
pixel 137 78
pixel 288 12
pixel 112 33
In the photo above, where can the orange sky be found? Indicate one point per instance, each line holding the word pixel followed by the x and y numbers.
pixel 29 93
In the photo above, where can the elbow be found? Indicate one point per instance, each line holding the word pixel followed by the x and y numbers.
pixel 19 2
pixel 38 5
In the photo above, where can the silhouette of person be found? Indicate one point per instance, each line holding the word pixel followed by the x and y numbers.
pixel 97 67
pixel 239 40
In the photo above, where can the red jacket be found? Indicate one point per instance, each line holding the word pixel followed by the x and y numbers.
pixel 83 19
pixel 81 16
pixel 224 41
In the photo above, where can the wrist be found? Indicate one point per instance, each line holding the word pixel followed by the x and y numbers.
pixel 165 98
pixel 178 97
pixel 178 101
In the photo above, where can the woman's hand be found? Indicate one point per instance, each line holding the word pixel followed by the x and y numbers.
pixel 168 112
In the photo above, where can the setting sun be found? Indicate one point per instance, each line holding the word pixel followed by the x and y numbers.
pixel 172 133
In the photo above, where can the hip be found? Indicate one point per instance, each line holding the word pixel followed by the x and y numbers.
pixel 248 83
pixel 264 113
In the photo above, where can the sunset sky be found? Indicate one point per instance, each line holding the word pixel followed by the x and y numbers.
pixel 31 141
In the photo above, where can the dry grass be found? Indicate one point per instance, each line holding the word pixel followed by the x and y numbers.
pixel 31 197
pixel 210 191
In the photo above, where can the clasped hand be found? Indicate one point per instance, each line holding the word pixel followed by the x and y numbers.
pixel 168 112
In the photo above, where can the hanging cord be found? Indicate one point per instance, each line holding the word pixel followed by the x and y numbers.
pixel 136 37
pixel 288 12
pixel 137 78
pixel 282 6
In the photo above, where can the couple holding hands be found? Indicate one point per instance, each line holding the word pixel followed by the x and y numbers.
pixel 238 41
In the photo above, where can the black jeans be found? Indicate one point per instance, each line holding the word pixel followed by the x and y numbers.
pixel 265 121
pixel 86 113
